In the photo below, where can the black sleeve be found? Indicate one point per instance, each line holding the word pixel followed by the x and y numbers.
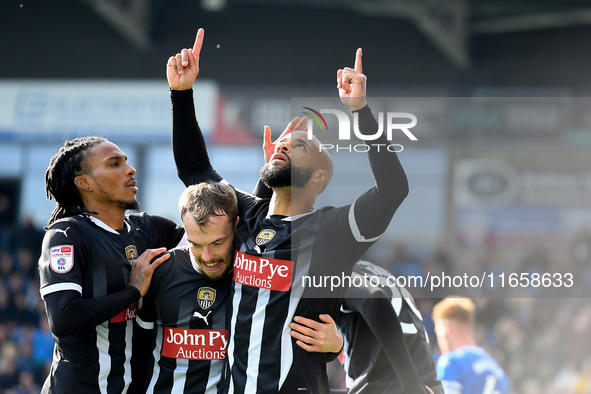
pixel 188 144
pixel 147 309
pixel 168 233
pixel 333 356
pixel 262 191
pixel 385 325
pixel 142 361
pixel 375 208
pixel 68 313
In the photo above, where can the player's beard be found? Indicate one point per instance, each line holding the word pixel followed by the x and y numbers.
pixel 285 175
pixel 135 205
pixel 218 275
pixel 132 204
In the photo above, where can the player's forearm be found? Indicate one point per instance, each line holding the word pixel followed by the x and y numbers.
pixel 68 313
pixel 390 177
pixel 261 190
pixel 383 321
pixel 188 145
pixel 374 209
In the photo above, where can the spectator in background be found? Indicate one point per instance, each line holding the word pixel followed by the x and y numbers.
pixel 6 221
pixel 43 343
pixel 28 236
pixel 7 266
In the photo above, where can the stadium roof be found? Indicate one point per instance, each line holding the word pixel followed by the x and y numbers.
pixel 449 24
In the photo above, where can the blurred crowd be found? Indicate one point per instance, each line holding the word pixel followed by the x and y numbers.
pixel 539 336
pixel 542 343
pixel 26 343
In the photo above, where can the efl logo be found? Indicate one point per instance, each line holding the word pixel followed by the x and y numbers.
pixel 61 264
pixel 61 258
pixel 345 129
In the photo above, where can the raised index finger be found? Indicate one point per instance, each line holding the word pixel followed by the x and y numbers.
pixel 358 66
pixel 198 44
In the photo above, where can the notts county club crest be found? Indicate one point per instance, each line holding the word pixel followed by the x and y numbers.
pixel 265 236
pixel 205 297
pixel 131 253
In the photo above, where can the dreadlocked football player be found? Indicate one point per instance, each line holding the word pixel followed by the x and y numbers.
pixel 96 263
pixel 280 240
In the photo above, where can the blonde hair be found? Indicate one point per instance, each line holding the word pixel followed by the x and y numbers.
pixel 459 309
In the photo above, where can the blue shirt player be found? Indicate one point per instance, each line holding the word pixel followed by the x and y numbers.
pixel 463 367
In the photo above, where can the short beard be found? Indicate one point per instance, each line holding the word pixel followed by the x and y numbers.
pixel 215 278
pixel 135 204
pixel 285 176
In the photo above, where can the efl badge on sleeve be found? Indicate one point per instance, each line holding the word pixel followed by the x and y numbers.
pixel 205 297
pixel 131 253
pixel 62 258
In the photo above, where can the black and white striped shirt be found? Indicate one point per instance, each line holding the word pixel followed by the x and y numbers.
pixel 275 253
pixel 191 336
pixel 262 356
pixel 81 255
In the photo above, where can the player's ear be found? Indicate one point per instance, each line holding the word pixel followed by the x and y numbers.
pixel 446 324
pixel 320 176
pixel 81 181
pixel 237 220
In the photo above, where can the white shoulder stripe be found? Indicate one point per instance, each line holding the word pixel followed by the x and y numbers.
pixel 60 287
pixel 105 226
pixel 146 325
pixel 355 230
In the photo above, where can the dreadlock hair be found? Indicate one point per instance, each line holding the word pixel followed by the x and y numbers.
pixel 63 168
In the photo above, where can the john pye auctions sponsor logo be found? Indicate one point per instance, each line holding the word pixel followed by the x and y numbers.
pixel 125 315
pixel 194 344
pixel 265 273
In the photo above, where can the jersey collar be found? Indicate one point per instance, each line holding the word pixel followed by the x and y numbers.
pixel 104 226
pixel 194 262
pixel 291 218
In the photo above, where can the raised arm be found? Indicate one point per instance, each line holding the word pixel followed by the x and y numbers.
pixel 375 208
pixel 188 144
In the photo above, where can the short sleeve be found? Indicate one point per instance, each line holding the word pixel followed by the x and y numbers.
pixel 62 263
pixel 449 375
